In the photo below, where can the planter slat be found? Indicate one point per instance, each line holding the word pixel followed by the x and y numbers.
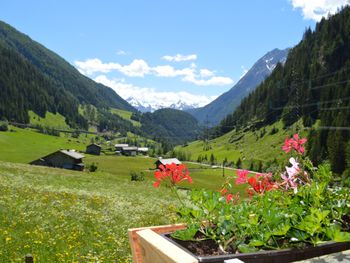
pixel 134 242
pixel 155 249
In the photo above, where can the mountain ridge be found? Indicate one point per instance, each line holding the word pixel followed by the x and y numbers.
pixel 215 111
pixel 35 78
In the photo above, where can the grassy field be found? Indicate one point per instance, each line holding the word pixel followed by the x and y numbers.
pixel 259 145
pixel 63 216
pixel 56 121
pixel 126 115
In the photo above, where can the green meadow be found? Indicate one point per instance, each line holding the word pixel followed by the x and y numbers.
pixel 60 215
pixel 126 115
pixel 56 121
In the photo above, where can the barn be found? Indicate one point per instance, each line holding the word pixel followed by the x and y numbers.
pixel 67 159
pixel 93 149
pixel 129 151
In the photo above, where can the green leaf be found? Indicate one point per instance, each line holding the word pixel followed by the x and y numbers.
pixel 281 230
pixel 187 234
pixel 342 236
pixel 244 248
pixel 256 243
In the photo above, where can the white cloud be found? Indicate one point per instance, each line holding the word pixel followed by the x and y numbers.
pixel 179 57
pixel 206 73
pixel 151 97
pixel 316 9
pixel 90 66
pixel 169 71
pixel 140 68
pixel 122 53
pixel 137 68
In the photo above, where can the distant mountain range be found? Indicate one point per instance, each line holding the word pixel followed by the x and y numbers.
pixel 225 104
pixel 153 106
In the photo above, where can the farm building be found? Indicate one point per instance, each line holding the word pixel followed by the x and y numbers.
pixel 142 150
pixel 167 161
pixel 67 159
pixel 129 151
pixel 119 147
pixel 93 149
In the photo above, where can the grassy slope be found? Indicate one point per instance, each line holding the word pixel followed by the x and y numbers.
pixel 23 145
pixel 126 115
pixel 247 146
pixel 51 120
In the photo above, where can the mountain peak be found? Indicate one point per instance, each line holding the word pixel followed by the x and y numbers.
pixel 227 102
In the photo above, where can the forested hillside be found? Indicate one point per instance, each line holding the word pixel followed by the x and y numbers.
pixel 35 78
pixel 313 84
pixel 170 125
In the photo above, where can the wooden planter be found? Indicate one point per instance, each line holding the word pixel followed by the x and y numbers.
pixel 149 246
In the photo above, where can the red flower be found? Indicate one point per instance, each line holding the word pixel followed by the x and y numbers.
pixel 176 174
pixel 229 197
pixel 242 176
pixel 223 191
pixel 261 183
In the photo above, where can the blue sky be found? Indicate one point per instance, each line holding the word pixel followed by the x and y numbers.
pixel 165 50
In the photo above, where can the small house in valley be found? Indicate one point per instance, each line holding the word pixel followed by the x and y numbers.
pixel 129 151
pixel 93 149
pixel 164 162
pixel 119 147
pixel 142 150
pixel 67 159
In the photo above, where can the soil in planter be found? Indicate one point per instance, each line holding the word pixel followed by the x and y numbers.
pixel 201 248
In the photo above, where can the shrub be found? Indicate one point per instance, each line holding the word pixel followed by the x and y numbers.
pixel 4 126
pixel 134 176
pixel 92 167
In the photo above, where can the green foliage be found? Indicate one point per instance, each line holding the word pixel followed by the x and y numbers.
pixel 139 177
pixel 92 167
pixel 274 220
pixel 173 126
pixel 4 126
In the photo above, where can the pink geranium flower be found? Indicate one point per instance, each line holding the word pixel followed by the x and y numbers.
pixel 294 143
pixel 242 176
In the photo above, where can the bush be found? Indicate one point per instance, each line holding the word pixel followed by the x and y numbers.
pixel 4 126
pixel 92 167
pixel 134 176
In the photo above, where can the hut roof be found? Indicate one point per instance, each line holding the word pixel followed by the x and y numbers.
pixel 129 148
pixel 121 145
pixel 73 154
pixel 169 161
pixel 94 144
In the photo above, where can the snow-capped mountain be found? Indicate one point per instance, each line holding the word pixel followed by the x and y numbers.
pixel 147 106
pixel 227 102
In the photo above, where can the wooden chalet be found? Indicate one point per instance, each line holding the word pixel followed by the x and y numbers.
pixel 66 159
pixel 93 149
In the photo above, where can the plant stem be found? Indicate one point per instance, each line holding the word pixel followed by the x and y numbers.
pixel 177 194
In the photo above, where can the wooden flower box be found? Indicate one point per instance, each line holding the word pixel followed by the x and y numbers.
pixel 151 245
